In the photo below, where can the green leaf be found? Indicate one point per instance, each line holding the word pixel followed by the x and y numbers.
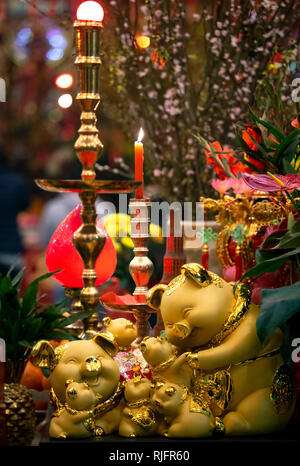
pixel 30 297
pixel 278 134
pixel 277 307
pixel 291 221
pixel 288 241
pixel 75 317
pixel 270 265
pixel 18 279
pixel 273 238
pixel 296 227
pixel 288 146
pixel 202 142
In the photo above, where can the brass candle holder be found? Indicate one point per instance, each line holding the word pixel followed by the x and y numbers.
pixel 88 240
pixel 140 268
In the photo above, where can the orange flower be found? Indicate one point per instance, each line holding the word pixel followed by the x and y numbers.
pixel 228 154
pixel 248 135
pixel 295 123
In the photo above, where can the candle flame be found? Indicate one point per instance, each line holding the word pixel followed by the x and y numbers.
pixel 141 135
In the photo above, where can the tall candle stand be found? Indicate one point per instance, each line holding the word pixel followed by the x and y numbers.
pixel 88 239
pixel 140 268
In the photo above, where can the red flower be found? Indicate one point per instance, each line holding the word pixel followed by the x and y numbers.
pixel 295 123
pixel 257 163
pixel 228 154
pixel 277 57
pixel 248 135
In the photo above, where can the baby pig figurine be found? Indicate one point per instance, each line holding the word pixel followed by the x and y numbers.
pixel 123 330
pixel 138 418
pixel 74 416
pixel 162 358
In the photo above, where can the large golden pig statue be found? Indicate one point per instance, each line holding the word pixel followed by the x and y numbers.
pixel 217 376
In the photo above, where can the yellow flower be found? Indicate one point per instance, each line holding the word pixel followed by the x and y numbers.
pixel 127 242
pixel 156 233
pixel 117 225
pixel 296 164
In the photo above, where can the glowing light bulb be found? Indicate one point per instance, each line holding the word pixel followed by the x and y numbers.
pixel 65 101
pixel 64 81
pixel 143 42
pixel 90 11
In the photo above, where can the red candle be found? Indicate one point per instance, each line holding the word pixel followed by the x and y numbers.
pixel 139 164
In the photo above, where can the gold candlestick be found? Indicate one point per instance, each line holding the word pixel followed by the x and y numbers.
pixel 141 268
pixel 88 240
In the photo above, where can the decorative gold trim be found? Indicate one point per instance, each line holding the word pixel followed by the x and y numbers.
pixel 201 276
pixel 139 403
pixel 262 356
pixel 238 312
pixel 144 417
pixel 282 392
pixel 174 284
pixel 165 364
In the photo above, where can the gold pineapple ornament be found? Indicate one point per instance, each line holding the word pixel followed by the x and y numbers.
pixel 19 414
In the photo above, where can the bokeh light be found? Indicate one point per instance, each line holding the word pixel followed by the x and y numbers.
pixel 55 54
pixel 58 44
pixel 143 42
pixel 23 37
pixel 65 101
pixel 64 81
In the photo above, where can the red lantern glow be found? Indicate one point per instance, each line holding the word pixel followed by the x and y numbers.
pixel 62 255
pixel 90 11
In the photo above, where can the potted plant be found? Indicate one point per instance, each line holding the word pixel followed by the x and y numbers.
pixel 24 320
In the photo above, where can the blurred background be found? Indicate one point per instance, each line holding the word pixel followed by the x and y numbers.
pixel 176 68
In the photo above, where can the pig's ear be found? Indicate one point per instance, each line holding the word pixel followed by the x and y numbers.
pixel 107 341
pixel 155 295
pixel 43 355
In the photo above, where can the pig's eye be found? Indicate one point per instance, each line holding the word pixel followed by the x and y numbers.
pixel 186 312
pixel 170 391
pixel 71 361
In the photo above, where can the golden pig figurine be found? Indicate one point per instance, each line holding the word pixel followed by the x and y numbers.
pixel 123 330
pixel 228 373
pixel 138 417
pixel 86 388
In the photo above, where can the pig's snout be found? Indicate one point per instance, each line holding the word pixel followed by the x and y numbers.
pixel 91 367
pixel 182 329
pixel 72 393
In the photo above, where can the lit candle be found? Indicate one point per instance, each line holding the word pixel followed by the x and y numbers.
pixel 139 164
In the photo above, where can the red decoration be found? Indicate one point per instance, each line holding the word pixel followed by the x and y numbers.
pixel 205 258
pixel 62 255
